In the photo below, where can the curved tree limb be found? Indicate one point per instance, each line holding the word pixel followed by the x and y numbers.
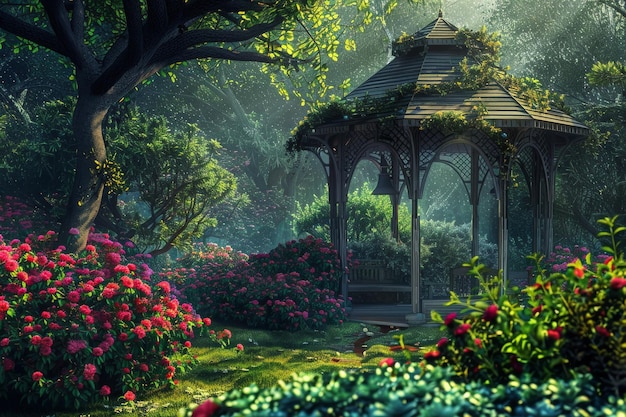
pixel 30 32
pixel 60 23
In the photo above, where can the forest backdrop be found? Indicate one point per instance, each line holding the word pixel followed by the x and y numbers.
pixel 197 151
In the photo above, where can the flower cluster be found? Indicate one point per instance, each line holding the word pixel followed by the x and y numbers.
pixel 291 287
pixel 74 328
pixel 573 323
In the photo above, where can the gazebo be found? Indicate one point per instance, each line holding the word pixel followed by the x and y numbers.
pixel 436 101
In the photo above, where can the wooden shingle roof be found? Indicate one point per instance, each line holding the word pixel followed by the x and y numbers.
pixel 431 56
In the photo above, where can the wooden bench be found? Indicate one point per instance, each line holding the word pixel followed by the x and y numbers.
pixel 373 276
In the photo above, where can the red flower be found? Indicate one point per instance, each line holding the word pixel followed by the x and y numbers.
pixel 517 367
pixel 240 347
pixel 462 329
pixel 432 354
pixel 206 409
pixel 442 342
pixel 618 283
pixel 129 396
pixel 602 331
pixel 491 313
pixel 450 319
pixel 386 362
pixel 37 376
pixel 555 334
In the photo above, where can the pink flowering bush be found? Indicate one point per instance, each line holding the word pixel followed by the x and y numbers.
pixel 573 323
pixel 75 329
pixel 292 287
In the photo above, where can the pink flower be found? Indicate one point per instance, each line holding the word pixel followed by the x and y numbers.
pixel 143 367
pixel 105 390
pixel 240 347
pixel 89 372
pixel 8 364
pixel 37 376
pixel 74 231
pixel 73 296
pixel 4 342
pixel 84 309
pixel 75 346
pixel 11 265
pixel 97 351
pixel 4 306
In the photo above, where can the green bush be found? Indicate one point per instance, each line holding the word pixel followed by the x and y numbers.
pixel 574 322
pixel 407 391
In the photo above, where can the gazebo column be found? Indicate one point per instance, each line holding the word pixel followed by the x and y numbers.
pixel 416 305
pixel 503 228
pixel 474 199
pixel 338 222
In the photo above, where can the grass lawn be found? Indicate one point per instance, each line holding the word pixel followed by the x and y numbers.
pixel 268 357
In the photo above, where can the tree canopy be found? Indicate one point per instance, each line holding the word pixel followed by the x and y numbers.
pixel 113 46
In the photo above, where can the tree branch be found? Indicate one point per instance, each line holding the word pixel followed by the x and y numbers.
pixel 59 21
pixel 134 49
pixel 157 15
pixel 217 53
pixel 78 19
pixel 613 5
pixel 181 48
pixel 30 32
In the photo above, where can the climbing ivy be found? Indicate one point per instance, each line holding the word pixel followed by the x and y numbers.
pixel 479 68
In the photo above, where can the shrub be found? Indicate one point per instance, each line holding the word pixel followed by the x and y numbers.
pixel 290 288
pixel 78 328
pixel 407 391
pixel 573 322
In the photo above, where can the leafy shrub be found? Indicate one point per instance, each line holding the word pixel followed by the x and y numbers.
pixel 573 322
pixel 78 328
pixel 406 391
pixel 292 287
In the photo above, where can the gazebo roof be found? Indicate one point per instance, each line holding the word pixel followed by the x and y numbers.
pixel 432 56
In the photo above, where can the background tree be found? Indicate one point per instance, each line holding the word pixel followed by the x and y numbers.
pixel 171 182
pixel 115 45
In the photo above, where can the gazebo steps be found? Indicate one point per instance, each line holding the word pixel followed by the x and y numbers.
pixel 397 313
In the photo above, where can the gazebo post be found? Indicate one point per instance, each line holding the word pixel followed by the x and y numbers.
pixel 474 199
pixel 503 230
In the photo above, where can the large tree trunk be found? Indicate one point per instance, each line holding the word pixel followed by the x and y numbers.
pixel 85 199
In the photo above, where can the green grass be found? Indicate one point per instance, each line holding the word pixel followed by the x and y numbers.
pixel 268 357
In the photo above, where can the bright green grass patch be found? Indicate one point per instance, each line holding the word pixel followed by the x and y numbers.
pixel 268 356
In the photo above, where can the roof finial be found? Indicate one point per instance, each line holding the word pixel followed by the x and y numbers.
pixel 440 13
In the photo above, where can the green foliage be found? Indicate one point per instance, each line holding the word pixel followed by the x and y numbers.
pixel 367 214
pixel 407 391
pixel 572 323
pixel 176 178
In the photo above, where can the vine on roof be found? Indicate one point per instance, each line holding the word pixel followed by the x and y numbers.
pixel 480 67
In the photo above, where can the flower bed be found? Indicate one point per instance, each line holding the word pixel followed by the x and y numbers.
pixel 291 287
pixel 75 329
